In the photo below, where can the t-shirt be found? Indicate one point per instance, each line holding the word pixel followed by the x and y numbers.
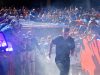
pixel 63 47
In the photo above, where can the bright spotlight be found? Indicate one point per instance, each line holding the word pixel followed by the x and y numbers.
pixel 3 42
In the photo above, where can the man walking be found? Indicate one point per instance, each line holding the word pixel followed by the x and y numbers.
pixel 65 46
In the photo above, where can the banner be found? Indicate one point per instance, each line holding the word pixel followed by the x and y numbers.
pixel 90 56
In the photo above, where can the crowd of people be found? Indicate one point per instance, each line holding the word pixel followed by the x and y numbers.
pixel 67 16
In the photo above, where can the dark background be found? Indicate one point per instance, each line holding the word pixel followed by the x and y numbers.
pixel 44 3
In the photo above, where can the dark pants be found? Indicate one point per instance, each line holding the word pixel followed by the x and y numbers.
pixel 63 66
